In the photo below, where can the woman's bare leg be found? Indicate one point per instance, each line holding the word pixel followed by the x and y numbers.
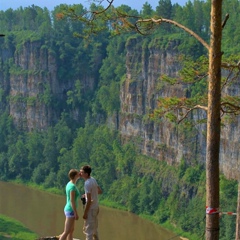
pixel 68 229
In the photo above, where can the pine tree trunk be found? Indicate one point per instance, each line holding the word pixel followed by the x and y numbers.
pixel 213 121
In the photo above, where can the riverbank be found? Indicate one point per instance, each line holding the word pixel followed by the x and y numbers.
pixel 167 225
pixel 104 203
pixel 14 230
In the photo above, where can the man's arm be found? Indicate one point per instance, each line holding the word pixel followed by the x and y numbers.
pixel 87 207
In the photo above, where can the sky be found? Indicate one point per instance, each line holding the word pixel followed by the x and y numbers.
pixel 50 4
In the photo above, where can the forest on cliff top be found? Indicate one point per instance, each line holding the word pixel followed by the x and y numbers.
pixel 165 194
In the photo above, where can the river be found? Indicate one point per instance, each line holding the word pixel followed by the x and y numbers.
pixel 42 213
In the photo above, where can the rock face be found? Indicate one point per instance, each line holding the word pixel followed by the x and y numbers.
pixel 230 142
pixel 37 95
pixel 32 85
pixel 35 76
pixel 163 140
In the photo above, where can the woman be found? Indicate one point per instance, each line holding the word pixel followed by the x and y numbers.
pixel 70 209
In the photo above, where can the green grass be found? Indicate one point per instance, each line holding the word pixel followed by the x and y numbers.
pixel 14 230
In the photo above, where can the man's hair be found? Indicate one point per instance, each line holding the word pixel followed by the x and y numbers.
pixel 87 169
pixel 72 173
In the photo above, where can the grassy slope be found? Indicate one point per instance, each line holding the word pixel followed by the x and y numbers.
pixel 12 229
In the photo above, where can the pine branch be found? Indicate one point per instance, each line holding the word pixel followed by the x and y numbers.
pixel 190 110
pixel 160 20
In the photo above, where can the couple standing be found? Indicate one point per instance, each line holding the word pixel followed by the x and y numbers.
pixel 91 208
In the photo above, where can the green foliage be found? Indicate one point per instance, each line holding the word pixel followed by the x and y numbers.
pixel 64 135
pixel 31 101
pixel 82 144
pixel 50 151
pixel 144 186
pixel 182 168
pixel 17 164
pixel 3 166
pixel 228 190
pixel 65 164
pixel 39 174
pixel 46 97
pixel 75 96
pixel 34 149
pixel 192 175
pixel 7 131
pixel 147 10
pixel 90 75
pixel 109 98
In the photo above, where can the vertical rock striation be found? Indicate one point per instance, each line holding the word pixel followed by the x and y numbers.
pixel 33 80
pixel 32 84
pixel 164 140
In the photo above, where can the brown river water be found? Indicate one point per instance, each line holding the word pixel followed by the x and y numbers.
pixel 42 213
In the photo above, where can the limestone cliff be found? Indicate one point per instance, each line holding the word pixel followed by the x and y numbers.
pixel 164 140
pixel 37 93
pixel 33 74
pixel 34 88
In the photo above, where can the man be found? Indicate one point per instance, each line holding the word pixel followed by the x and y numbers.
pixel 91 209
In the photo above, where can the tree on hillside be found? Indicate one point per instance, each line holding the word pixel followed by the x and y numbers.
pixel 119 21
pixel 214 121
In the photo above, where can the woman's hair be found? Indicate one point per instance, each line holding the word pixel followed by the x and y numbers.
pixel 72 173
pixel 87 169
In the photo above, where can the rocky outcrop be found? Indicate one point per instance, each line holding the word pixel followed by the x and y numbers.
pixel 164 140
pixel 33 83
pixel 36 91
